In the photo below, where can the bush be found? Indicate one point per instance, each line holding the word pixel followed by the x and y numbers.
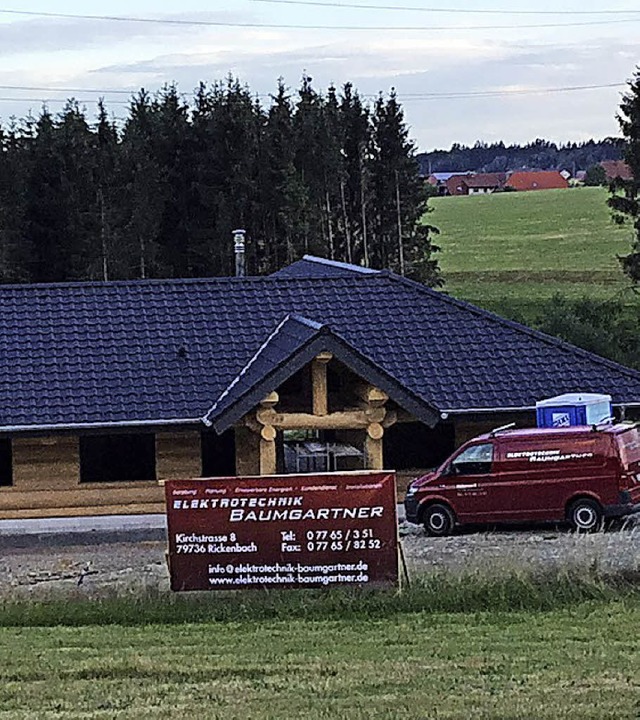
pixel 595 176
pixel 609 329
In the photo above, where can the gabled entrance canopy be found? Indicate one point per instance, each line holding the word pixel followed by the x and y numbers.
pixel 292 345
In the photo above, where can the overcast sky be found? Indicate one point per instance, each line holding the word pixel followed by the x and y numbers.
pixel 489 73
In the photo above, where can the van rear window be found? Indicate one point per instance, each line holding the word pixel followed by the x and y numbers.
pixel 629 444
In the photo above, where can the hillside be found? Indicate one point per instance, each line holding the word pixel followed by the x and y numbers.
pixel 510 252
pixel 540 154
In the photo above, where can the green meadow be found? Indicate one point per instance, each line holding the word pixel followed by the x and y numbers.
pixel 509 252
pixel 579 663
pixel 507 647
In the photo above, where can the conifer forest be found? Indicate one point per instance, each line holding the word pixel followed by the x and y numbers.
pixel 159 192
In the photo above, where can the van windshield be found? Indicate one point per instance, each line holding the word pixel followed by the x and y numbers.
pixel 629 444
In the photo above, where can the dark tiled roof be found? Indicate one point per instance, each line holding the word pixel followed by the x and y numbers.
pixel 166 350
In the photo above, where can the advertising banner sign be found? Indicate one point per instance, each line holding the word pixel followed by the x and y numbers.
pixel 283 531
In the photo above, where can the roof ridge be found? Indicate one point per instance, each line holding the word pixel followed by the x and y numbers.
pixel 340 264
pixel 253 359
pixel 307 321
pixel 245 369
pixel 539 335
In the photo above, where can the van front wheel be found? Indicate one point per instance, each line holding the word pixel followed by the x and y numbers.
pixel 585 516
pixel 438 520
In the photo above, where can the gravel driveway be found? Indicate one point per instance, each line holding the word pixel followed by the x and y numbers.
pixel 124 567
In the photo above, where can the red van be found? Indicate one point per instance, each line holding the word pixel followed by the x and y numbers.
pixel 579 474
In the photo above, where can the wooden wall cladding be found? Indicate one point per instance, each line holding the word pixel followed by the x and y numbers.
pixel 50 463
pixel 178 455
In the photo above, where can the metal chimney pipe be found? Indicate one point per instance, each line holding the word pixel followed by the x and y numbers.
pixel 238 247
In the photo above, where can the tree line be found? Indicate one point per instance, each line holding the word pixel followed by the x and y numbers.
pixel 159 193
pixel 539 155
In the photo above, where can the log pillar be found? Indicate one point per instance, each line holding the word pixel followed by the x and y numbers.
pixel 373 455
pixel 370 415
pixel 268 459
pixel 264 416
pixel 320 400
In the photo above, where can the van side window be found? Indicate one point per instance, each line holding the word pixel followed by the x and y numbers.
pixel 475 460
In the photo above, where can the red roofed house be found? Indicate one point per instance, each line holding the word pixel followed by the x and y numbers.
pixel 616 169
pixel 483 183
pixel 536 180
pixel 455 186
pixel 474 183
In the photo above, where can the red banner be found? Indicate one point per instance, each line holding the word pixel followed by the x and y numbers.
pixel 285 531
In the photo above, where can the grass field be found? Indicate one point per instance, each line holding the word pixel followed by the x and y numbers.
pixel 512 251
pixel 571 663
pixel 568 649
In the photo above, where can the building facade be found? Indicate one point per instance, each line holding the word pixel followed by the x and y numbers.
pixel 108 388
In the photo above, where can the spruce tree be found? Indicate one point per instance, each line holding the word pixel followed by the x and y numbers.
pixel 333 174
pixel 310 149
pixel 399 239
pixel 625 198
pixel 281 193
pixel 172 149
pixel 355 189
pixel 107 193
pixel 74 146
pixel 141 193
pixel 46 204
pixel 15 248
pixel 227 128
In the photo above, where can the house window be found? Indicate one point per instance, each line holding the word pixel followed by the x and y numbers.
pixel 113 458
pixel 218 454
pixel 6 474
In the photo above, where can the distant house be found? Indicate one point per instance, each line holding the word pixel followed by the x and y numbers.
pixel 439 180
pixel 536 180
pixel 455 185
pixel 482 183
pixel 439 177
pixel 616 169
pixel 474 183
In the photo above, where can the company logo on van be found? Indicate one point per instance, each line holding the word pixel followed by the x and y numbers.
pixel 547 455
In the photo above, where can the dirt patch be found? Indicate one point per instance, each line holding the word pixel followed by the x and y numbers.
pixel 132 567
pixel 511 550
pixel 83 569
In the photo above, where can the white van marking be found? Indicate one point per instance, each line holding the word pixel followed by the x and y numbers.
pixel 547 455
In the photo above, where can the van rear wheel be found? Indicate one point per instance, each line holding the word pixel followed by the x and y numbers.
pixel 585 516
pixel 438 520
